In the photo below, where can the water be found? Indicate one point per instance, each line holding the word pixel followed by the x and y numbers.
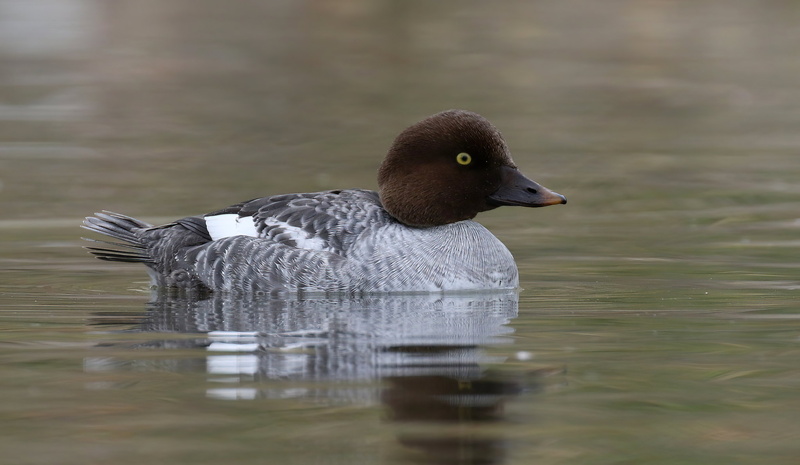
pixel 658 321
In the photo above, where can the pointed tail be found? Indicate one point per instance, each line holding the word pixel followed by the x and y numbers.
pixel 120 227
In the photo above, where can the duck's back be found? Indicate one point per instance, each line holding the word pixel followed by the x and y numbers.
pixel 325 221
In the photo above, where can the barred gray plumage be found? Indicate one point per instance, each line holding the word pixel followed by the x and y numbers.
pixel 325 242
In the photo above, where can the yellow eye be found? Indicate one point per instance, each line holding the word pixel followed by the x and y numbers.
pixel 464 158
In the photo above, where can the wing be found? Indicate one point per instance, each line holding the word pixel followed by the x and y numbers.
pixel 324 221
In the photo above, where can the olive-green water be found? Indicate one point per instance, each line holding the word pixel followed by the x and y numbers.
pixel 659 321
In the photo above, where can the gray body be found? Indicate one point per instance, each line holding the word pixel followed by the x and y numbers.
pixel 325 242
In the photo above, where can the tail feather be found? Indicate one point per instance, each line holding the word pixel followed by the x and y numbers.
pixel 112 255
pixel 114 244
pixel 120 227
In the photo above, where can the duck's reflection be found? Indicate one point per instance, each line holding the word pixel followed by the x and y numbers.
pixel 427 351
pixel 343 339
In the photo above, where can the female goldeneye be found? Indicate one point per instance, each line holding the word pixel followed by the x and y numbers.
pixel 415 234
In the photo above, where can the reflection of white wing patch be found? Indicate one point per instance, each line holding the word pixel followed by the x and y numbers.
pixel 303 239
pixel 231 224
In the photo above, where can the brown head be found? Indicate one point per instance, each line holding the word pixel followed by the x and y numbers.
pixel 450 167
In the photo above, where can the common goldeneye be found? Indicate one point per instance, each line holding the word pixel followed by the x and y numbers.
pixel 414 234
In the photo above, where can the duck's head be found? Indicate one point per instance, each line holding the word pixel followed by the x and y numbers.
pixel 450 167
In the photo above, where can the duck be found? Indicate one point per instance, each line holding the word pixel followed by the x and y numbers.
pixel 416 233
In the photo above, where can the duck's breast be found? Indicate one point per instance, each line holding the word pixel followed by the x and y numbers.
pixel 458 256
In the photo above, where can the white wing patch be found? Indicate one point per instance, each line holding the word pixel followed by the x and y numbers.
pixel 228 225
pixel 302 238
